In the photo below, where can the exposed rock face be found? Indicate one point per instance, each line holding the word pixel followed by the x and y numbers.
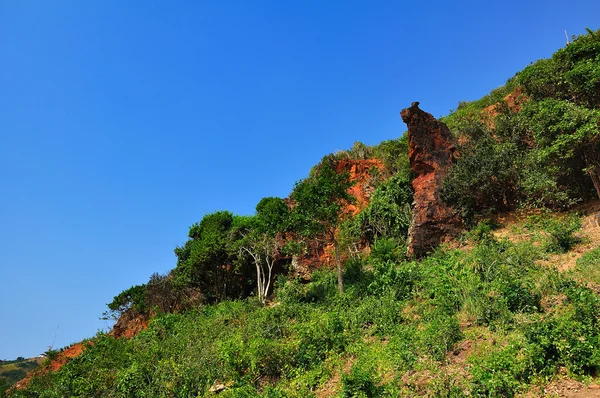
pixel 318 254
pixel 129 324
pixel 360 175
pixel 432 150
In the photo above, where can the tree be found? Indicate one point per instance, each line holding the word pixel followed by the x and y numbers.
pixel 318 204
pixel 260 237
pixel 208 260
pixel 565 96
pixel 566 135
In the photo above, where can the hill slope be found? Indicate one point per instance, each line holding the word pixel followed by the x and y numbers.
pixel 507 309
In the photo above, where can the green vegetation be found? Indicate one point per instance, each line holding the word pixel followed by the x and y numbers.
pixel 15 370
pixel 541 146
pixel 486 321
pixel 587 268
pixel 319 203
pixel 395 317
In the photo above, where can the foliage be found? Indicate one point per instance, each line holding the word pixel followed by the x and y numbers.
pixel 359 383
pixel 483 231
pixel 388 214
pixel 273 215
pixel 394 155
pixel 133 298
pixel 573 73
pixel 394 316
pixel 208 261
pixel 319 202
pixel 561 231
pixel 484 178
pixel 535 148
pixel 3 387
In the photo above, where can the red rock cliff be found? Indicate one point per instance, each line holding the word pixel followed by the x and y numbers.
pixel 432 151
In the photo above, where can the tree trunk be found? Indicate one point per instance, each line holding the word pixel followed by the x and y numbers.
pixel 338 263
pixel 270 266
pixel 594 172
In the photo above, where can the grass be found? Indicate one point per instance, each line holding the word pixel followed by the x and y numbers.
pixel 587 267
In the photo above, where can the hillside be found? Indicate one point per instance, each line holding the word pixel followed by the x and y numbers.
pixel 15 370
pixel 317 295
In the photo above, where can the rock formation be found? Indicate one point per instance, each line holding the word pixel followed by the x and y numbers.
pixel 432 150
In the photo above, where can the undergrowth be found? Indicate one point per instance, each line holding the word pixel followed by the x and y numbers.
pixel 394 332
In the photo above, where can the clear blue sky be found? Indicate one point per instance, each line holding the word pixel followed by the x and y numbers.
pixel 123 123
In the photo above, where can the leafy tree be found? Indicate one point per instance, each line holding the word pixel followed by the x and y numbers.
pixel 567 136
pixel 133 299
pixel 483 178
pixel 273 215
pixel 208 260
pixel 319 202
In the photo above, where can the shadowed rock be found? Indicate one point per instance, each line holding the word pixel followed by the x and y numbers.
pixel 432 151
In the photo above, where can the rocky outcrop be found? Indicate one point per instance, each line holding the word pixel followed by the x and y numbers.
pixel 363 173
pixel 130 324
pixel 432 151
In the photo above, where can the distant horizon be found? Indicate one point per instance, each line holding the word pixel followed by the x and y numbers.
pixel 124 124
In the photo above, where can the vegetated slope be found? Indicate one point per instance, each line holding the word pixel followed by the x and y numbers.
pixel 13 371
pixel 496 315
pixel 489 321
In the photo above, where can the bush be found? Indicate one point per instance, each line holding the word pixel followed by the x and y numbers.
pixel 394 155
pixel 561 233
pixel 484 178
pixel 483 231
pixel 500 373
pixel 388 214
pixel 359 383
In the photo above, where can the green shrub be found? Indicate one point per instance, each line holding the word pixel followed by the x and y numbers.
pixel 561 233
pixel 587 267
pixel 3 387
pixel 484 178
pixel 133 299
pixel 440 335
pixel 483 231
pixel 394 155
pixel 589 259
pixel 388 214
pixel 500 373
pixel 359 383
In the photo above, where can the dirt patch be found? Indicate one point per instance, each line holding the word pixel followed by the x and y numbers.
pixel 589 234
pixel 565 387
pixel 332 387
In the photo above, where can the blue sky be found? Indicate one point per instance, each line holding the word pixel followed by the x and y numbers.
pixel 123 123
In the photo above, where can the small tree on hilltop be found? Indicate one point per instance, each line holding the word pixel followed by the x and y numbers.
pixel 319 201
